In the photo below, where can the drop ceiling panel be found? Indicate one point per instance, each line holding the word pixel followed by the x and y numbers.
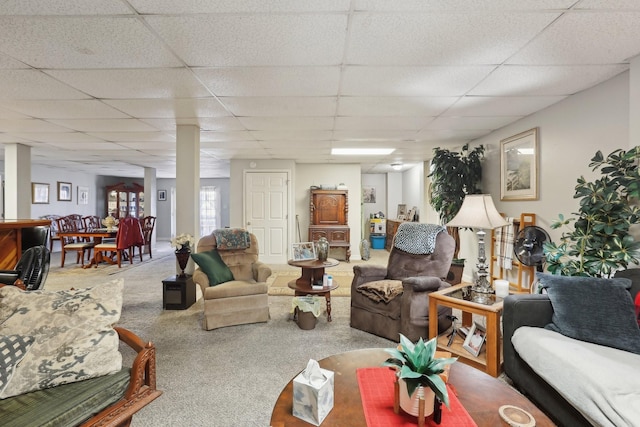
pixel 288 39
pixel 226 137
pixel 461 5
pixel 289 135
pixel 7 62
pixel 32 84
pixel 412 81
pixel 237 6
pixel 413 106
pixel 271 81
pixel 441 38
pixel 381 123
pixel 83 42
pixel 75 137
pixel 470 123
pixel 169 108
pixel 452 136
pixel 370 135
pixel 66 7
pixel 280 106
pixel 500 106
pixel 134 136
pixel 514 80
pixel 559 45
pixel 29 125
pixel 291 123
pixel 47 109
pixel 104 125
pixel 138 83
pixel 86 146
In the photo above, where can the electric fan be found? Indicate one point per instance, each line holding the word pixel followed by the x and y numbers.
pixel 528 246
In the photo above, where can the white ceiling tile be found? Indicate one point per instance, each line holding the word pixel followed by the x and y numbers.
pixel 609 4
pixel 87 42
pixel 298 145
pixel 74 137
pixel 86 146
pixel 599 32
pixel 280 106
pixel 237 6
pixel 441 38
pixel 452 135
pixel 9 114
pixel 137 83
pixel 514 80
pixel 7 62
pixel 10 139
pixel 381 123
pixel 371 135
pixel 67 109
pixel 230 137
pixel 460 5
pixel 231 40
pixel 151 146
pixel 500 106
pixel 32 84
pixel 29 125
pixel 204 123
pixel 271 81
pixel 414 106
pixel 290 123
pixel 66 7
pixel 134 136
pixel 169 108
pixel 412 81
pixel 471 123
pixel 290 135
pixel 104 125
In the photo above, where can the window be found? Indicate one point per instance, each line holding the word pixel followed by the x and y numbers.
pixel 209 210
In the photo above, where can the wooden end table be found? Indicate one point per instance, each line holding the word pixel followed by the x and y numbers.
pixel 312 272
pixel 178 293
pixel 490 359
pixel 480 394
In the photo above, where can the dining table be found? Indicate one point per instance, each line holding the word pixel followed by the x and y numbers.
pixel 95 234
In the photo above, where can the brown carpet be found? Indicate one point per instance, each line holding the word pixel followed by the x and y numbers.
pixel 279 280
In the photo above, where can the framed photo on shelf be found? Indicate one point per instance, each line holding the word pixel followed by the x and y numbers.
pixel 64 191
pixel 303 251
pixel 402 211
pixel 475 339
pixel 519 166
pixel 39 193
pixel 162 195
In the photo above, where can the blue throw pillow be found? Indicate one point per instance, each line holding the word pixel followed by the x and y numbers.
pixel 213 266
pixel 599 311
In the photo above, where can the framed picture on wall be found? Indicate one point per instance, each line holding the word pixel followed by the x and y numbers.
pixel 83 195
pixel 39 193
pixel 64 191
pixel 368 194
pixel 519 166
pixel 162 195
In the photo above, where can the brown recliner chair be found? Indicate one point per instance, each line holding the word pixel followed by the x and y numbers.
pixel 393 300
pixel 239 301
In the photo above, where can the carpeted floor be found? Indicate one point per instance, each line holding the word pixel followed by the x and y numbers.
pixel 225 377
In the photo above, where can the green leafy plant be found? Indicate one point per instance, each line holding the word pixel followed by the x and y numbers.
pixel 599 243
pixel 418 366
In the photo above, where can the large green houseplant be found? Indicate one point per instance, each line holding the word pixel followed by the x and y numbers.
pixel 418 366
pixel 599 242
pixel 454 175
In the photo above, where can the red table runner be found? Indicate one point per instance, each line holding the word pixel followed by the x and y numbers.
pixel 376 390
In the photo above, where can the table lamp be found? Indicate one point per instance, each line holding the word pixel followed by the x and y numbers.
pixel 478 211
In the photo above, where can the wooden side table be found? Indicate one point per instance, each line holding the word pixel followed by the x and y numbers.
pixel 178 293
pixel 312 272
pixel 489 360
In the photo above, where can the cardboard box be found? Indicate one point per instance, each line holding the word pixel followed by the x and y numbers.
pixel 313 403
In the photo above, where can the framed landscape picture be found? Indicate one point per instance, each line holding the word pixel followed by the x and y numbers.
pixel 519 166
pixel 64 191
pixel 83 195
pixel 39 193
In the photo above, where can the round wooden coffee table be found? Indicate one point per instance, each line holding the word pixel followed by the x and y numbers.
pixel 312 272
pixel 480 394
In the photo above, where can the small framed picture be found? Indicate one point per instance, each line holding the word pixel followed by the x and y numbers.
pixel 64 191
pixel 303 251
pixel 475 339
pixel 402 211
pixel 519 166
pixel 83 195
pixel 39 193
pixel 162 195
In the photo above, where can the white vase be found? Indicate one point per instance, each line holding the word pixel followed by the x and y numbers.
pixel 411 404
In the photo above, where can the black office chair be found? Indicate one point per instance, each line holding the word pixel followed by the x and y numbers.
pixel 31 271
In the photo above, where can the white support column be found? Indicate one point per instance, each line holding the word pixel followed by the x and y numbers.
pixel 17 190
pixel 188 182
pixel 634 102
pixel 150 199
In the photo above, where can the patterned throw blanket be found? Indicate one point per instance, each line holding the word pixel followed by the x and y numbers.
pixel 504 243
pixel 231 238
pixel 417 238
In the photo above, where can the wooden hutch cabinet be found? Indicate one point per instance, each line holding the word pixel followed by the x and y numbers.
pixel 329 214
pixel 123 200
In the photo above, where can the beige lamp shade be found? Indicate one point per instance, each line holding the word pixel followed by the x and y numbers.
pixel 478 211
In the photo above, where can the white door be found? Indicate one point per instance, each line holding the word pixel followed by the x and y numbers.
pixel 266 202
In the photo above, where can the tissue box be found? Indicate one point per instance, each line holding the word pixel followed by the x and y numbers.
pixel 313 403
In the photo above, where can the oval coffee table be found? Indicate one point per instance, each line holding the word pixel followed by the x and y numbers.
pixel 480 394
pixel 312 272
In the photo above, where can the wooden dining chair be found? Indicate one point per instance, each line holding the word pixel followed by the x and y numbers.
pixel 148 224
pixel 129 236
pixel 91 222
pixel 69 243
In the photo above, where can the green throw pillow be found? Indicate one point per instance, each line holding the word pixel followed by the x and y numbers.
pixel 213 266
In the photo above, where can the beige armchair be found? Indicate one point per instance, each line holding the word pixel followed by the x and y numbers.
pixel 394 299
pixel 239 301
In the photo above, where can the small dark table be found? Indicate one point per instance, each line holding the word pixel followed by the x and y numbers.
pixel 178 293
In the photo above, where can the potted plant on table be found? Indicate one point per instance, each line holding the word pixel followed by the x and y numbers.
pixel 599 243
pixel 183 243
pixel 418 369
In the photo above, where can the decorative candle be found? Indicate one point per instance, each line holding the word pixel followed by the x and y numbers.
pixel 501 287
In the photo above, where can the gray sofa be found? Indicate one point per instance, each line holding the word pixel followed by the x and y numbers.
pixel 565 408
